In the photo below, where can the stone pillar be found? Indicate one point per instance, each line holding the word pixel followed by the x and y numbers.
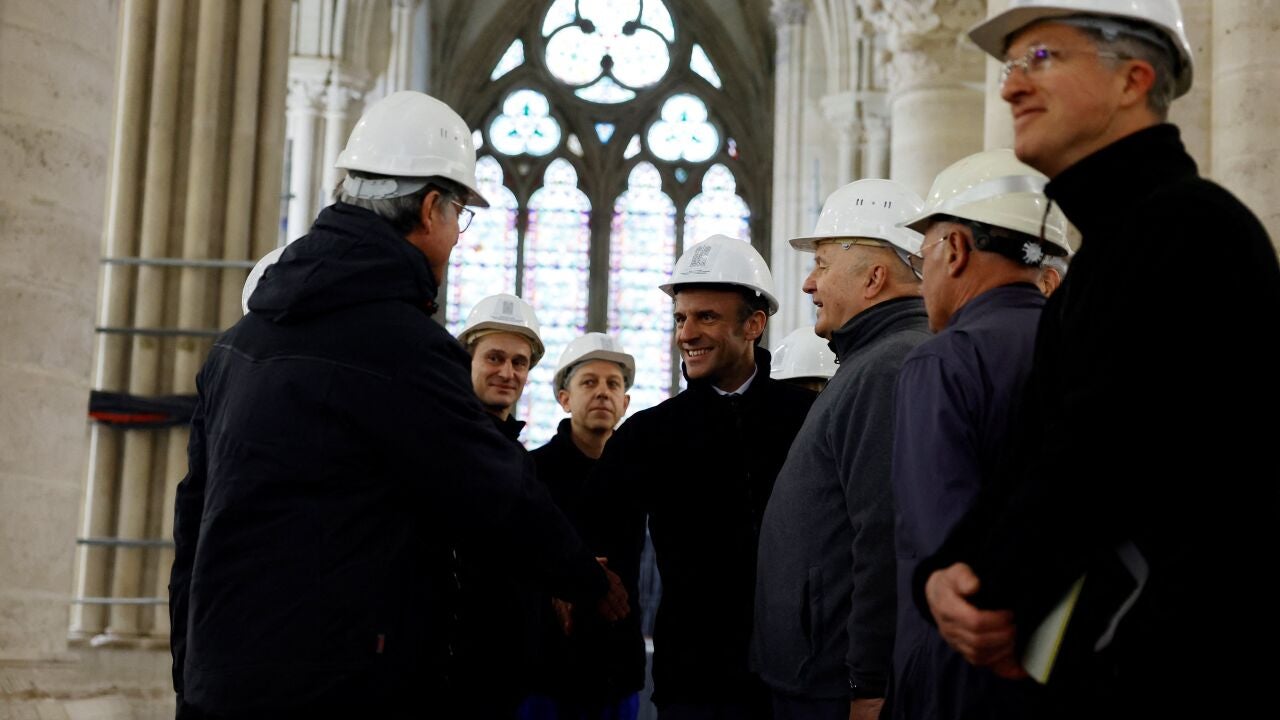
pixel 340 97
pixel 306 91
pixel 788 270
pixel 58 58
pixel 935 85
pixel 1246 110
pixel 1193 112
pixel 841 112
pixel 997 120
pixel 875 156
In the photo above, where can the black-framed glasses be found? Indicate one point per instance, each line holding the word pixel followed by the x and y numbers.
pixel 465 215
pixel 1039 58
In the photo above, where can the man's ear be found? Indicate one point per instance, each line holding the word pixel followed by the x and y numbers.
pixel 958 250
pixel 563 397
pixel 754 327
pixel 429 203
pixel 1139 77
pixel 626 403
pixel 877 280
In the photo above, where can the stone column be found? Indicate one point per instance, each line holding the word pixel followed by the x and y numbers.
pixel 935 85
pixel 340 96
pixel 875 156
pixel 1193 112
pixel 1246 110
pixel 841 112
pixel 788 271
pixel 58 59
pixel 997 120
pixel 306 91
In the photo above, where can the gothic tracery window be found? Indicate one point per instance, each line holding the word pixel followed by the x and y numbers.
pixel 605 151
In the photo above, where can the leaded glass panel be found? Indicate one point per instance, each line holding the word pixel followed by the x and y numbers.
pixel 642 250
pixel 608 37
pixel 525 125
pixel 683 132
pixel 717 209
pixel 510 60
pixel 556 272
pixel 484 261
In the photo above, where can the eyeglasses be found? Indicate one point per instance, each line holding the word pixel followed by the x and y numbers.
pixel 1039 58
pixel 465 215
pixel 916 259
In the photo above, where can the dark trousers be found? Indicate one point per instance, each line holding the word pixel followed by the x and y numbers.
pixel 714 711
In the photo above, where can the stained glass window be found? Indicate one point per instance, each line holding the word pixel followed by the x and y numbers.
pixel 556 272
pixel 633 147
pixel 605 131
pixel 484 261
pixel 701 64
pixel 525 125
pixel 717 209
pixel 642 252
pixel 510 60
pixel 683 133
pixel 625 39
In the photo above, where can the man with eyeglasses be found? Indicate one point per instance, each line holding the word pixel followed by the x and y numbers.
pixel 825 597
pixel 981 258
pixel 1145 469
pixel 337 450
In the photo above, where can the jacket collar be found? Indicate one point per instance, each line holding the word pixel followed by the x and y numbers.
pixel 874 322
pixel 1105 185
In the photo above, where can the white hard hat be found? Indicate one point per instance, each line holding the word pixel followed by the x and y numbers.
pixel 996 188
pixel 802 354
pixel 409 134
pixel 723 260
pixel 1164 15
pixel 251 283
pixel 505 313
pixel 594 346
pixel 871 209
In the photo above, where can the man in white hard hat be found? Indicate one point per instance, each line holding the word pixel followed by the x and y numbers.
pixel 495 651
pixel 701 466
pixel 502 336
pixel 825 583
pixel 337 450
pixel 980 260
pixel 1140 469
pixel 587 667
pixel 805 359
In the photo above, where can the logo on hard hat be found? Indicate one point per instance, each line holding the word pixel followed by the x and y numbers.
pixel 701 256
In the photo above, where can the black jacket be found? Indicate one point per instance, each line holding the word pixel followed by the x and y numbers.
pixel 595 664
pixel 336 450
pixel 701 466
pixel 1146 422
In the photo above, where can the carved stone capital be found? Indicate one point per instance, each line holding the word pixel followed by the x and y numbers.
pixel 305 94
pixel 925 40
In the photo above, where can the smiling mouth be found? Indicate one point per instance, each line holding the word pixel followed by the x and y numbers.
pixel 696 352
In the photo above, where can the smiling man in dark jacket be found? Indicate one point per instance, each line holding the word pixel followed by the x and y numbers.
pixel 701 466
pixel 337 448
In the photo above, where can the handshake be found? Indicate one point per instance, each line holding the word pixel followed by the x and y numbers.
pixel 614 606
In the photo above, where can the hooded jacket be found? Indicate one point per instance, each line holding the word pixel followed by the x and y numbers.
pixel 336 450
pixel 701 467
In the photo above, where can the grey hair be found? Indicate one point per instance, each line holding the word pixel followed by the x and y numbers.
pixel 1137 41
pixel 1058 263
pixel 404 213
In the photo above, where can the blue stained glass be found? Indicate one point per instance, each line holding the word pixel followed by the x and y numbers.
pixel 717 210
pixel 701 64
pixel 510 60
pixel 641 257
pixel 556 273
pixel 683 133
pixel 525 125
pixel 484 261
pixel 605 131
pixel 682 174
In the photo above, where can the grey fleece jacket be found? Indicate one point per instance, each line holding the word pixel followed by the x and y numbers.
pixel 825 596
